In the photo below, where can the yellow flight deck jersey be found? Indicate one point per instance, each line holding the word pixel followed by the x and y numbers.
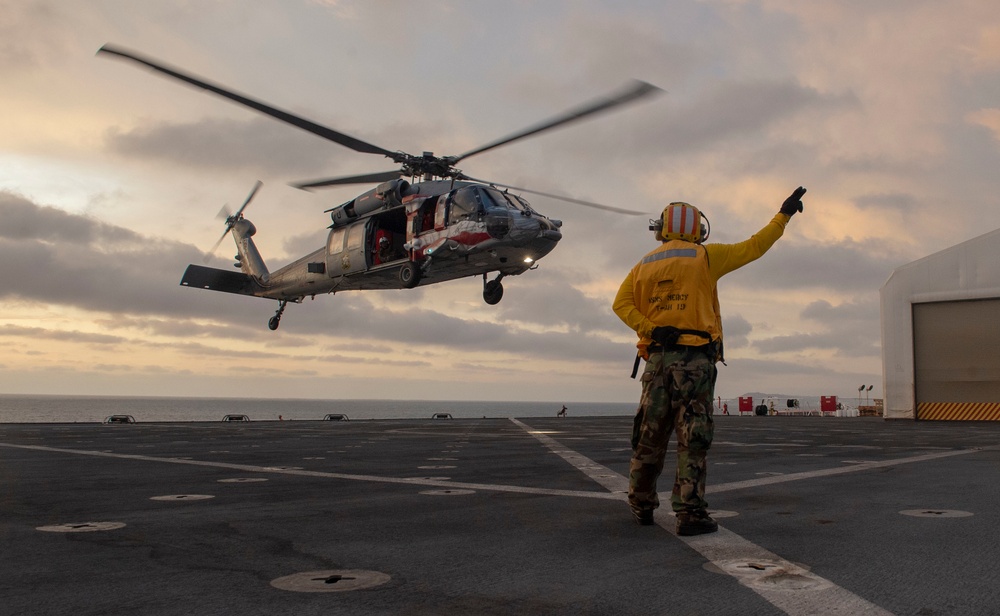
pixel 676 285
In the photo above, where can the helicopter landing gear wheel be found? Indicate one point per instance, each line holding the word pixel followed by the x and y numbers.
pixel 273 322
pixel 409 275
pixel 492 290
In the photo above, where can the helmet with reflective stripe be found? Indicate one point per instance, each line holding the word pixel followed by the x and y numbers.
pixel 680 221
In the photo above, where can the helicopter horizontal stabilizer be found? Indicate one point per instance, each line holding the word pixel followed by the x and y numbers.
pixel 201 277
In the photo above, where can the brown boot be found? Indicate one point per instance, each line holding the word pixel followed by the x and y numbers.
pixel 643 517
pixel 695 523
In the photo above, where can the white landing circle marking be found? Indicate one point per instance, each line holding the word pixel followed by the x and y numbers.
pixel 82 527
pixel 342 580
pixel 431 467
pixel 243 480
pixel 447 492
pixel 936 513
pixel 182 497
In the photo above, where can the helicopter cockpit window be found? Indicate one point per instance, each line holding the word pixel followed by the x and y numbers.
pixel 498 213
pixel 505 199
pixel 465 204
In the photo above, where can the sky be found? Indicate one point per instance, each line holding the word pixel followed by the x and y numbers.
pixel 111 178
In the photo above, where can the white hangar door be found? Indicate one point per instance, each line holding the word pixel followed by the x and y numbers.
pixel 956 356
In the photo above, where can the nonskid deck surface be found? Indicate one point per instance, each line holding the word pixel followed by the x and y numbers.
pixel 493 516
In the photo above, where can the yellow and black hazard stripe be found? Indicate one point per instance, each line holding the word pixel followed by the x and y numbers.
pixel 959 411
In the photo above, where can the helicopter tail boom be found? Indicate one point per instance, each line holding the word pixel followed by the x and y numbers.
pixel 250 260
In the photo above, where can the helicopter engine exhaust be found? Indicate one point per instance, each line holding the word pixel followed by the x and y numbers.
pixel 386 194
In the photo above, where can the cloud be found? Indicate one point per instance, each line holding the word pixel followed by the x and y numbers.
pixel 736 331
pixel 844 267
pixel 38 333
pixel 52 256
pixel 900 202
pixel 987 118
pixel 31 33
pixel 23 220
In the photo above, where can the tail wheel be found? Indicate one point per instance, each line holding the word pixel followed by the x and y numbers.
pixel 409 275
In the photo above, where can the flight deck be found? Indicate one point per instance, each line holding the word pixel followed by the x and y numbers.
pixel 817 515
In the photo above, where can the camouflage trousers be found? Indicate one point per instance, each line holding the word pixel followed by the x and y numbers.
pixel 677 393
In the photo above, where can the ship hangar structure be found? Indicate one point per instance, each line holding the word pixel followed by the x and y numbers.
pixel 941 334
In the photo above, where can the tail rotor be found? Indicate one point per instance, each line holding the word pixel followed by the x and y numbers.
pixel 231 219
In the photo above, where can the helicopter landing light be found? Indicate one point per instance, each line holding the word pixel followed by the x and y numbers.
pixel 529 260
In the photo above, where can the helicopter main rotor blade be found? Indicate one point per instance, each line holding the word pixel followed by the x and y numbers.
pixel 599 206
pixel 307 125
pixel 381 176
pixel 637 90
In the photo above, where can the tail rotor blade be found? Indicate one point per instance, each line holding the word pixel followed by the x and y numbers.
pixel 232 218
pixel 210 253
pixel 253 192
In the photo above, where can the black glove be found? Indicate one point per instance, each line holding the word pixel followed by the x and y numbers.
pixel 794 203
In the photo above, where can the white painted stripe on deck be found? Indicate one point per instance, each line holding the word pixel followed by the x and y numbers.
pixel 785 585
pixel 440 483
pixel 827 472
pixel 612 481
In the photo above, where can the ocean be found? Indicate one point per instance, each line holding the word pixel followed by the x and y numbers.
pixel 90 409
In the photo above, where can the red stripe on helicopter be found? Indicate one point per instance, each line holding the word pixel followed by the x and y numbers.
pixel 470 239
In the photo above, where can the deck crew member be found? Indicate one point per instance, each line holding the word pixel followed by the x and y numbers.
pixel 671 301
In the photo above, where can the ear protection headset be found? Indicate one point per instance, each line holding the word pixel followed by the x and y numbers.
pixel 681 221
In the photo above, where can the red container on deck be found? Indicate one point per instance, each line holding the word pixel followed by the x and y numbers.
pixel 746 404
pixel 828 404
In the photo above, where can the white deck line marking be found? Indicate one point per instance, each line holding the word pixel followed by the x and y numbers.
pixel 612 481
pixel 351 477
pixel 785 585
pixel 826 472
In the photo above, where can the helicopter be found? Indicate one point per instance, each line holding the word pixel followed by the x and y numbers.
pixel 442 225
